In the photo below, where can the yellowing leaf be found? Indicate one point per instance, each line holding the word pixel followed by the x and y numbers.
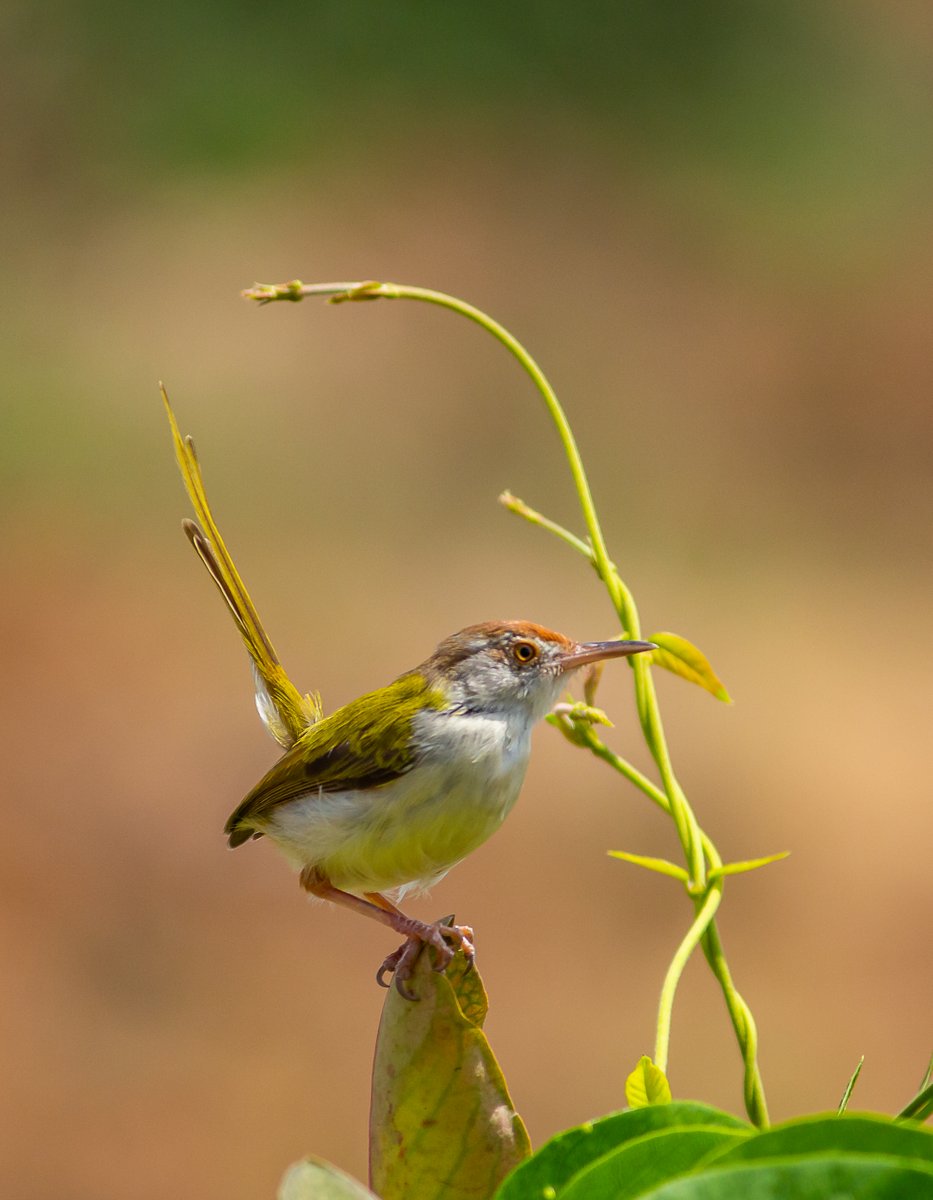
pixel 442 1123
pixel 646 1085
pixel 681 657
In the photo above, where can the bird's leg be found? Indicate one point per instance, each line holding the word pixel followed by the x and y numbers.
pixel 416 933
pixel 461 934
pixel 383 902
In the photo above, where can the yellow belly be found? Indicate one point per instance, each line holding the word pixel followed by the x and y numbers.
pixel 403 836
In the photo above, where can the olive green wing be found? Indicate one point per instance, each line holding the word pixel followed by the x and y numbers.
pixel 365 744
pixel 297 774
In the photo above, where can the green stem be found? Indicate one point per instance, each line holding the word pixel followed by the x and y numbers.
pixel 688 829
pixel 631 773
pixel 705 911
pixel 513 504
pixel 746 1031
pixel 594 743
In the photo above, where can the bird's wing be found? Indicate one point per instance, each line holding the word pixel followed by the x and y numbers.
pixel 365 744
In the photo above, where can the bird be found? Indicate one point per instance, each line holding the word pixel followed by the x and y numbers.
pixel 379 799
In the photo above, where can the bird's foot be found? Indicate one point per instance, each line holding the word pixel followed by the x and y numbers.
pixel 400 965
pixel 445 938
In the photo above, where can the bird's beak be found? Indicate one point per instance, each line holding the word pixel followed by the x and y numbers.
pixel 590 652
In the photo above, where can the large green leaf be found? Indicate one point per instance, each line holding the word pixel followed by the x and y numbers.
pixel 857 1133
pixel 829 1177
pixel 442 1123
pixel 315 1179
pixel 636 1167
pixel 549 1171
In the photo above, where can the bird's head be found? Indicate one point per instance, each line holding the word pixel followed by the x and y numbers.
pixel 503 665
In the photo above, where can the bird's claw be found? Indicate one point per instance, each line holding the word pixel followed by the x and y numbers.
pixel 401 962
pixel 389 963
pixel 462 937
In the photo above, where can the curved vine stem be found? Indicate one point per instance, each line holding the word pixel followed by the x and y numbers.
pixel 699 852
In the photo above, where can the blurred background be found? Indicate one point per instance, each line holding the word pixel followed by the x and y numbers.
pixel 712 224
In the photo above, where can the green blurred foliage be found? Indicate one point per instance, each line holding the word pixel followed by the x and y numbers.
pixel 792 102
pixel 783 137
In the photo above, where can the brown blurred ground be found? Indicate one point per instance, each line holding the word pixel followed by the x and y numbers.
pixel 751 390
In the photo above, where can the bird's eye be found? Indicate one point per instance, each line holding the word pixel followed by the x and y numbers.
pixel 524 652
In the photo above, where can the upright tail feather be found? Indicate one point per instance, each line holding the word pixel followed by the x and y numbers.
pixel 284 711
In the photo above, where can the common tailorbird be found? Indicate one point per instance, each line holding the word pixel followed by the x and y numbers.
pixel 381 798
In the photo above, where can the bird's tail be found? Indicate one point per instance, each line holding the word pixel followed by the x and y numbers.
pixel 284 711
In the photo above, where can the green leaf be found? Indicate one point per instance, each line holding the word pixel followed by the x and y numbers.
pixel 661 865
pixel 315 1179
pixel 861 1133
pixel 635 1168
pixel 748 864
pixel 442 1123
pixel 921 1106
pixel 843 1177
pixel 676 654
pixel 551 1168
pixel 647 1084
pixel 850 1087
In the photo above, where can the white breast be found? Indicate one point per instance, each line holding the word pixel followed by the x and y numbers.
pixel 406 835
